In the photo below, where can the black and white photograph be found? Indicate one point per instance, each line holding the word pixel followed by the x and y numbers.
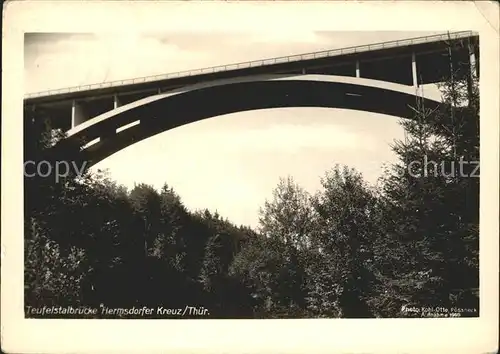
pixel 133 219
pixel 294 174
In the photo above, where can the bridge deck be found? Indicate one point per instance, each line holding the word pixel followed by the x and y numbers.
pixel 114 85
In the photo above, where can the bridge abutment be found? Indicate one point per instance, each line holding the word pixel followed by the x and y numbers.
pixel 472 60
pixel 78 114
pixel 393 63
pixel 116 102
pixel 414 73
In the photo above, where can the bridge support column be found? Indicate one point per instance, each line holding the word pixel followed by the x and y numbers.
pixel 78 114
pixel 473 74
pixel 303 71
pixel 472 61
pixel 414 70
pixel 116 102
pixel 358 74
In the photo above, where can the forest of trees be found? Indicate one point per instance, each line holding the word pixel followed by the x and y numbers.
pixel 351 250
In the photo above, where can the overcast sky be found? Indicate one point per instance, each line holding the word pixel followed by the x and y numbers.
pixel 230 163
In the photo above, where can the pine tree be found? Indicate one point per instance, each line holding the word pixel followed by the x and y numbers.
pixel 431 243
pixel 287 222
pixel 145 201
pixel 288 216
pixel 212 269
pixel 342 283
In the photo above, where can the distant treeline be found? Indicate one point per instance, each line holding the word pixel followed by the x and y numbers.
pixel 351 250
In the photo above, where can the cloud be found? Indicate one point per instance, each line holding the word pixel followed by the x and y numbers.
pixel 47 39
pixel 285 36
pixel 57 60
pixel 76 60
pixel 63 60
pixel 288 137
pixel 339 39
pixel 234 171
pixel 232 162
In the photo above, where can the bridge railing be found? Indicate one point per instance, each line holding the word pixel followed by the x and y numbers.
pixel 262 62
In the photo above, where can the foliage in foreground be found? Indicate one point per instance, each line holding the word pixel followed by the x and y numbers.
pixel 350 250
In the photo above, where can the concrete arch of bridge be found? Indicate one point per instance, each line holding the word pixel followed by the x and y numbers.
pixel 158 113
